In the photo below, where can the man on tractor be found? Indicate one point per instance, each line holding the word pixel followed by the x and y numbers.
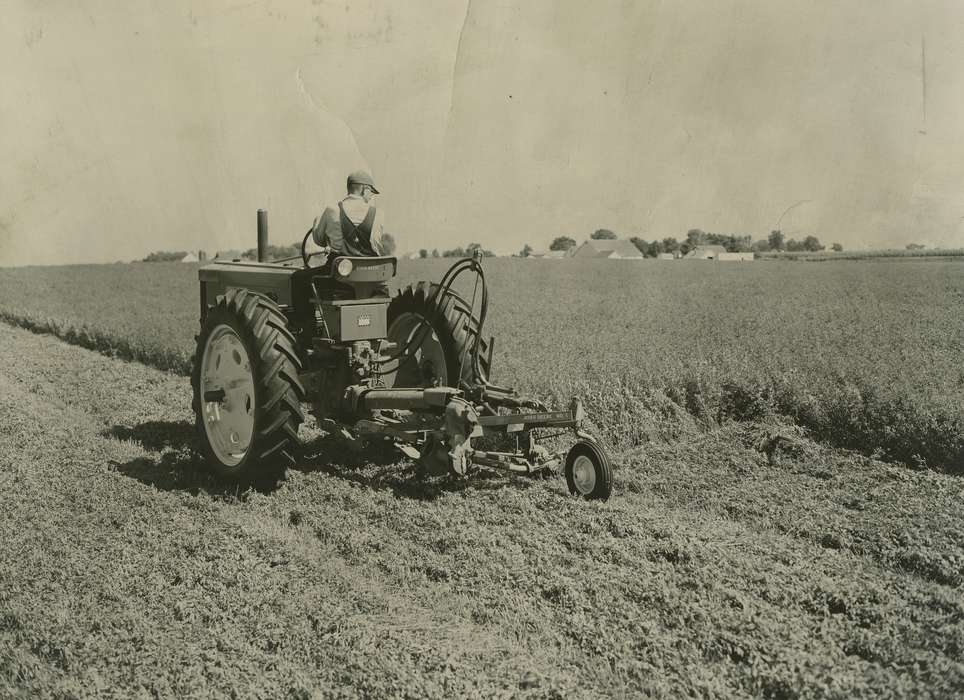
pixel 353 226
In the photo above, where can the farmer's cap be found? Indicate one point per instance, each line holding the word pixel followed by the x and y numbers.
pixel 360 177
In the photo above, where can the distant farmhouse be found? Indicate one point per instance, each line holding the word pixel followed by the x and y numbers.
pixel 608 248
pixel 705 252
pixel 189 258
pixel 716 252
pixel 550 254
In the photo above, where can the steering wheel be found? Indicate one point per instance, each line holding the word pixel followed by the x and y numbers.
pixel 306 256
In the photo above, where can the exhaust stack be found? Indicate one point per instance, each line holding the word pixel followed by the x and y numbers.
pixel 262 234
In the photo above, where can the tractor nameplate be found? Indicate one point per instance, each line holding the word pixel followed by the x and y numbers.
pixel 365 269
pixel 549 418
pixel 364 320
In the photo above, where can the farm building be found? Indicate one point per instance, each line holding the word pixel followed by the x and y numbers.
pixel 550 254
pixel 705 252
pixel 716 252
pixel 189 258
pixel 611 248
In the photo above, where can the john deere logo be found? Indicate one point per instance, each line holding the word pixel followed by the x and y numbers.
pixel 364 320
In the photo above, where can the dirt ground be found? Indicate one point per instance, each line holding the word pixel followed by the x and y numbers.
pixel 746 561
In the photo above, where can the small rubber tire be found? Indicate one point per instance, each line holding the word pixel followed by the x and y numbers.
pixel 597 483
pixel 278 393
pixel 453 323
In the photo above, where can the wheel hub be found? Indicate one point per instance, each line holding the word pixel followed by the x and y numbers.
pixel 229 419
pixel 584 475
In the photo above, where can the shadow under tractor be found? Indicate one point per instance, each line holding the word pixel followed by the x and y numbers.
pixel 412 369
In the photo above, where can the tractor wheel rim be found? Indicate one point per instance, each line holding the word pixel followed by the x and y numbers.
pixel 584 474
pixel 409 371
pixel 228 423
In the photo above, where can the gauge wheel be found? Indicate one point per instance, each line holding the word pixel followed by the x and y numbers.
pixel 589 473
pixel 247 395
pixel 433 335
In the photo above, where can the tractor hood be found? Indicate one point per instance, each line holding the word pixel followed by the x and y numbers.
pixel 271 279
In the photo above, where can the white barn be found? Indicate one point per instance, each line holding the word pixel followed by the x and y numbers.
pixel 550 254
pixel 705 252
pixel 612 249
pixel 737 257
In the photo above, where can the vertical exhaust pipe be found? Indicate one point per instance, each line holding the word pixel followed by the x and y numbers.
pixel 262 234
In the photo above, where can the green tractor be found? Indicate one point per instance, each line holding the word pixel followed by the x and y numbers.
pixel 412 369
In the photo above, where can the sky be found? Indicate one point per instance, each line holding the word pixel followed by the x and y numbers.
pixel 129 127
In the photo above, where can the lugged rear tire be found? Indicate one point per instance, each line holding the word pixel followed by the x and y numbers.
pixel 454 327
pixel 251 331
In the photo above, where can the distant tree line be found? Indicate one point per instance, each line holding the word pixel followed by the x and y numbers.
pixel 275 252
pixel 467 252
pixel 733 243
pixel 777 241
pixel 165 256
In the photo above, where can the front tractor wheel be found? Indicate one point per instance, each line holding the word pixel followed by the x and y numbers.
pixel 588 471
pixel 247 396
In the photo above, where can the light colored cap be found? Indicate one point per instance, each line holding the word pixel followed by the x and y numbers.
pixel 361 177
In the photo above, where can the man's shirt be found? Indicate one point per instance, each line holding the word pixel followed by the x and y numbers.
pixel 356 209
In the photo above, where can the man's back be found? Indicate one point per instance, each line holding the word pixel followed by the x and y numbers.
pixel 360 230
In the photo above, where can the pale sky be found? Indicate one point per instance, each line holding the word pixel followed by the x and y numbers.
pixel 146 125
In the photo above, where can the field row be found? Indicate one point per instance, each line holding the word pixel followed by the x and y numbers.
pixel 833 256
pixel 864 356
pixel 744 561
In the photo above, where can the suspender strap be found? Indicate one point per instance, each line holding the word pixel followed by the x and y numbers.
pixel 358 237
pixel 365 227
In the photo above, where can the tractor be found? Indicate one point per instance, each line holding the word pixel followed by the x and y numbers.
pixel 412 370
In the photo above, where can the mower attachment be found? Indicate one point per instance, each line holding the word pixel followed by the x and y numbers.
pixel 443 443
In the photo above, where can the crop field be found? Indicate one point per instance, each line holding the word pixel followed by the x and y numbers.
pixel 789 449
pixel 867 357
pixel 948 254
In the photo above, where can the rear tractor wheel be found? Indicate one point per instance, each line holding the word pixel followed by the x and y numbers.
pixel 247 396
pixel 434 335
